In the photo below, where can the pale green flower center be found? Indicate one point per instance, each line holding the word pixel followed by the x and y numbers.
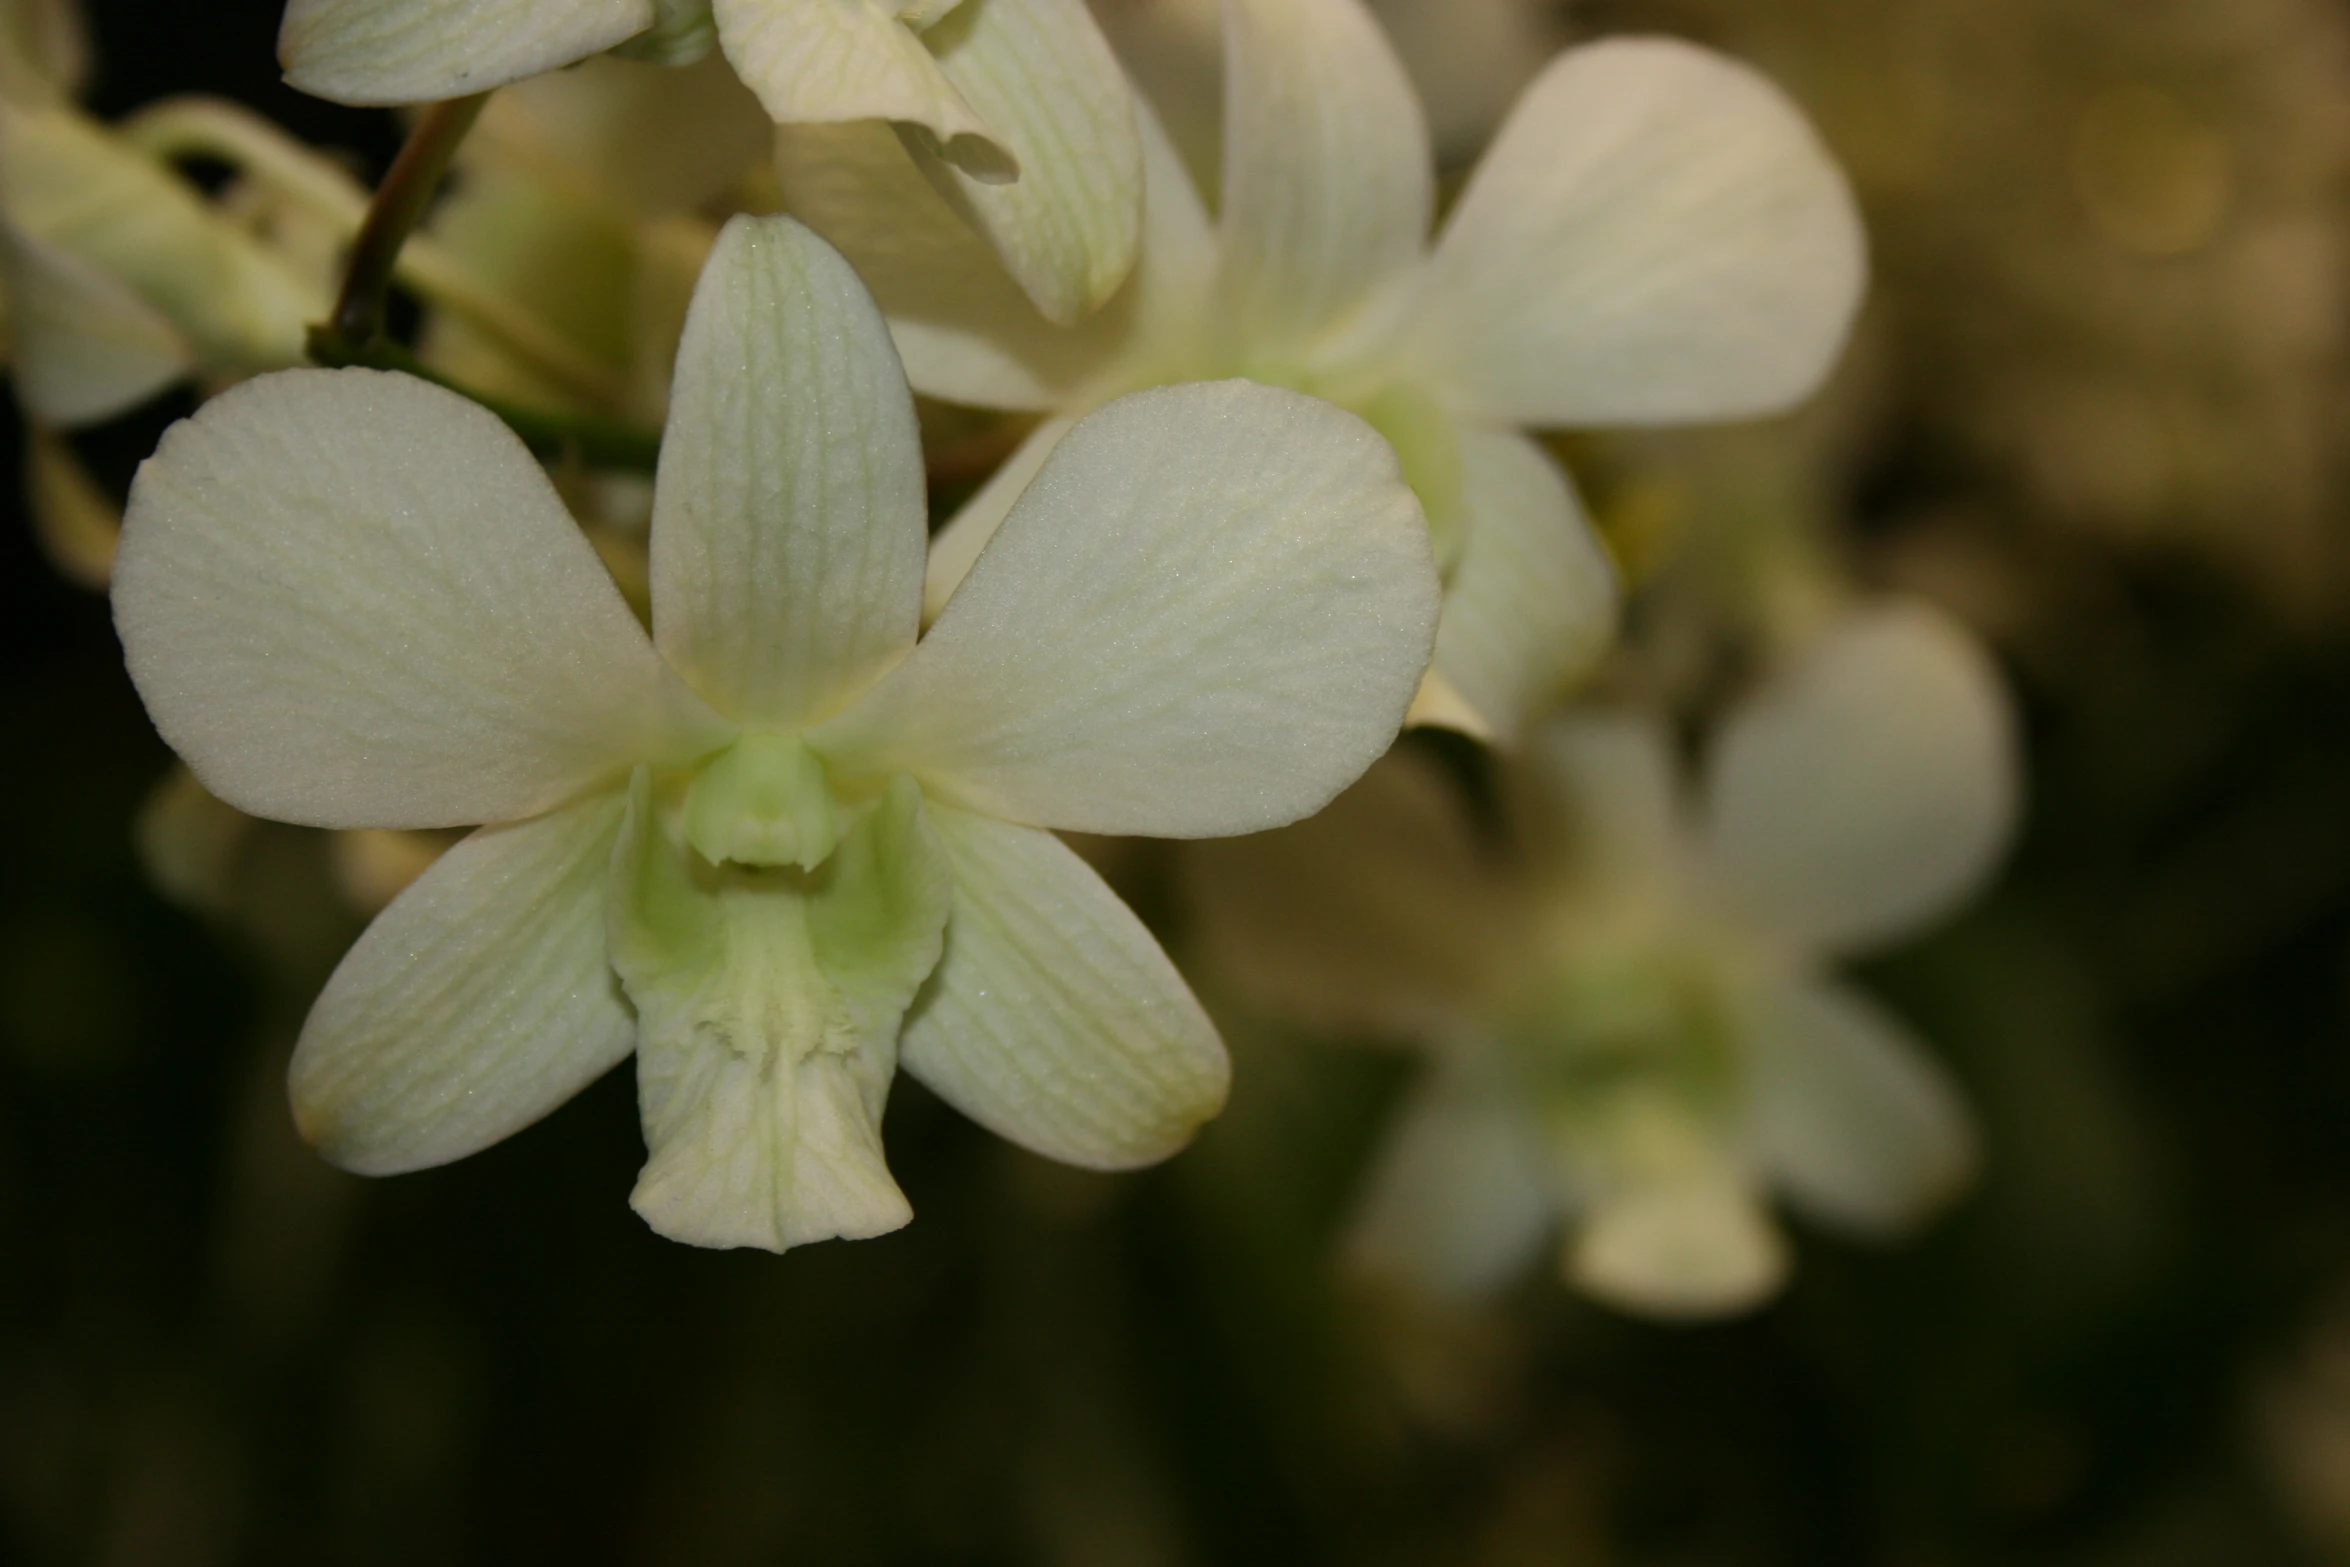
pixel 763 801
pixel 1602 1048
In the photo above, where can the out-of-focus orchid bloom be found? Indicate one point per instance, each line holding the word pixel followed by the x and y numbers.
pixel 1656 236
pixel 1630 1005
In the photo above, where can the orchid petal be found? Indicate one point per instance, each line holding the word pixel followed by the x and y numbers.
pixel 1691 1246
pixel 1327 178
pixel 957 546
pixel 1207 615
pixel 351 599
pixel 1871 788
pixel 476 1003
pixel 1460 1196
pixel 769 1010
pixel 789 515
pixel 83 347
pixel 369 52
pixel 1656 236
pixel 1043 80
pixel 1849 1113
pixel 967 332
pixel 1532 602
pixel 1054 1019
pixel 824 61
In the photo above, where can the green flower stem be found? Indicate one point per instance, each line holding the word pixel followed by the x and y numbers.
pixel 399 205
pixel 203 128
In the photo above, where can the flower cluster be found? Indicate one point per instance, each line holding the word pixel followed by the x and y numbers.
pixel 764 781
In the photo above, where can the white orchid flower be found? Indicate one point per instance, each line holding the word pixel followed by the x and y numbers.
pixel 1634 1019
pixel 1656 236
pixel 1015 110
pixel 778 847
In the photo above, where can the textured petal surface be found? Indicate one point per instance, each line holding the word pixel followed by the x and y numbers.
pixel 82 347
pixel 1871 787
pixel 415 51
pixel 1656 236
pixel 1383 912
pixel 824 61
pixel 789 521
pixel 1460 1196
pixel 1044 82
pixel 967 332
pixel 479 1001
pixel 1849 1113
pixel 1532 601
pixel 1327 179
pixel 769 1005
pixel 1054 1018
pixel 1206 616
pixel 957 546
pixel 351 599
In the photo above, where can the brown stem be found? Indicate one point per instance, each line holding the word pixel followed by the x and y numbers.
pixel 399 205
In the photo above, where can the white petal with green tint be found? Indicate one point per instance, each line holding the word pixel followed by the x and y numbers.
pixel 1460 1196
pixel 352 599
pixel 1691 1246
pixel 1042 79
pixel 416 51
pixel 1054 1019
pixel 789 519
pixel 1531 605
pixel 1870 788
pixel 957 546
pixel 967 332
pixel 823 61
pixel 1207 615
pixel 1848 1112
pixel 479 1001
pixel 769 1003
pixel 82 347
pixel 1327 179
pixel 1656 236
